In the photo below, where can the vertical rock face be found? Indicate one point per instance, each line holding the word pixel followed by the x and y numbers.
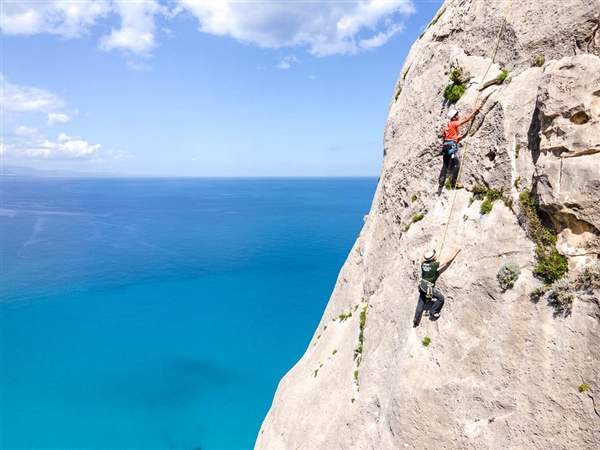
pixel 500 371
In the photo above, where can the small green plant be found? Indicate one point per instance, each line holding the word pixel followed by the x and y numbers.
pixel 405 73
pixel 490 196
pixel 486 206
pixel 539 61
pixel 417 218
pixel 398 92
pixel 590 276
pixel 517 149
pixel 517 182
pixel 426 341
pixel 539 291
pixel 316 372
pixel 319 337
pixel 359 348
pixel 502 76
pixel 406 227
pixel 356 377
pixel 414 198
pixel 583 387
pixel 352 400
pixel 334 352
pixel 561 293
pixel 422 34
pixel 344 317
pixel 508 274
pixel 551 265
pixel 448 183
pixel 325 327
pixel 454 91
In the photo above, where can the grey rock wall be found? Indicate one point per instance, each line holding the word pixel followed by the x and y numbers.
pixel 501 372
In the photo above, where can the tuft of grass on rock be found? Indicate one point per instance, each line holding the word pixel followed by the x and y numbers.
pixel 489 196
pixel 583 387
pixel 502 76
pixel 486 206
pixel 417 218
pixel 590 276
pixel 539 61
pixel 508 274
pixel 344 317
pixel 426 341
pixel 561 293
pixel 454 91
pixel 398 92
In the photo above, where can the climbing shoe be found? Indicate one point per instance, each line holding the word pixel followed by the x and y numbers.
pixel 434 317
pixel 415 323
pixel 439 191
pixel 458 186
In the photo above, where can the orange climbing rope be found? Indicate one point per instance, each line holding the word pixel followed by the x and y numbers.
pixel 492 56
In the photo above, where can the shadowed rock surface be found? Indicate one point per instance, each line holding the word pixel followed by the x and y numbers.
pixel 501 371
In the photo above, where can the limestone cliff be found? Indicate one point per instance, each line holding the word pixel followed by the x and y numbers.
pixel 501 371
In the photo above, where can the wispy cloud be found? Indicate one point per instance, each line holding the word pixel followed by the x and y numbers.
pixel 324 27
pixel 64 18
pixel 286 62
pixel 25 131
pixel 15 98
pixel 327 28
pixel 54 119
pixel 35 146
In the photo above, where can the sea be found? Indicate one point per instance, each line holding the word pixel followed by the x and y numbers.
pixel 161 313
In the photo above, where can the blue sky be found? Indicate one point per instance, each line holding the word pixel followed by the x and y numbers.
pixel 202 88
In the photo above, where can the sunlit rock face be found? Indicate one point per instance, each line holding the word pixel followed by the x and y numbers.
pixel 500 371
pixel 568 167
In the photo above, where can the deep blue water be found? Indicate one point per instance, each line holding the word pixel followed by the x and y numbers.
pixel 161 313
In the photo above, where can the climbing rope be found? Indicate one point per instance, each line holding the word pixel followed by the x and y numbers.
pixel 491 56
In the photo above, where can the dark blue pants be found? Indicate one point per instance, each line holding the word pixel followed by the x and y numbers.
pixel 449 165
pixel 433 305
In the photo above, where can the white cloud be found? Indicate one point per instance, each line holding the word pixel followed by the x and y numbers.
pixel 65 147
pixel 139 65
pixel 55 118
pixel 15 98
pixel 138 28
pixel 25 131
pixel 325 27
pixel 286 62
pixel 69 19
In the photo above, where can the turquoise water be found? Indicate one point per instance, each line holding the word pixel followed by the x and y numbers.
pixel 161 314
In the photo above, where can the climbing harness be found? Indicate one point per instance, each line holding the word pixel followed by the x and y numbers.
pixel 492 56
pixel 427 288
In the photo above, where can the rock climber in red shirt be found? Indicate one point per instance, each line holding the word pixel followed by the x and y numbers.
pixel 451 162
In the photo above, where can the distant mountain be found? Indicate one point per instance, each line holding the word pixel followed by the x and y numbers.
pixel 20 171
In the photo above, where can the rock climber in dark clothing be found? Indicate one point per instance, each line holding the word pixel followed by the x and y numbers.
pixel 451 162
pixel 431 269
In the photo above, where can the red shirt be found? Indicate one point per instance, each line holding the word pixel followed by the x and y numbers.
pixel 451 131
